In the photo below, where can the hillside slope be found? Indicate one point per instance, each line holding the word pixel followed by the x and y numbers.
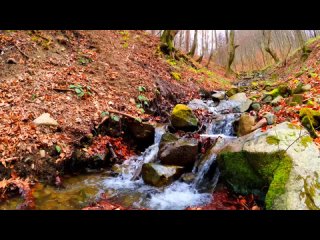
pixel 76 77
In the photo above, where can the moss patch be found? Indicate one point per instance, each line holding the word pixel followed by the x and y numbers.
pixel 182 117
pixel 280 178
pixel 305 140
pixel 176 75
pixel 252 172
pixel 273 140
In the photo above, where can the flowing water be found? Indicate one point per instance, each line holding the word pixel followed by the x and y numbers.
pixel 129 191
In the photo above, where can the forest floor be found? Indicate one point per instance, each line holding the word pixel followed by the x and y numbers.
pixel 82 77
pixel 109 70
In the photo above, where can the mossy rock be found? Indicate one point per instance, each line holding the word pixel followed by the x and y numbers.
pixel 296 99
pixel 298 89
pixel 282 90
pixel 182 118
pixel 282 162
pixel 310 119
pixel 232 91
pixel 160 175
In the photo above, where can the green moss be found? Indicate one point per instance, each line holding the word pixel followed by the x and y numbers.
pixel 310 103
pixel 176 75
pixel 171 62
pixel 305 140
pixel 280 178
pixel 273 140
pixel 312 40
pixel 293 126
pixel 274 93
pixel 308 124
pixel 238 173
pixel 310 119
pixel 183 117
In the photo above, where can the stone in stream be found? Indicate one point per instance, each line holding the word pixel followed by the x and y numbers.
pixel 182 118
pixel 243 107
pixel 218 95
pixel 283 160
pixel 45 119
pixel 174 151
pixel 160 175
pixel 143 132
pixel 197 104
pixel 239 97
pixel 188 177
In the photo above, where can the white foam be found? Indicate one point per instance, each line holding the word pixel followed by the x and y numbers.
pixel 178 196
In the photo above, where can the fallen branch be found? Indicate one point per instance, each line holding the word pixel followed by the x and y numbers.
pixel 114 157
pixel 63 89
pixel 25 55
pixel 116 112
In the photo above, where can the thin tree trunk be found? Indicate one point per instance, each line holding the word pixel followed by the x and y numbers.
pixel 194 44
pixel 187 40
pixel 267 39
pixel 232 51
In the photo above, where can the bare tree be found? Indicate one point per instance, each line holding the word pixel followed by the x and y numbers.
pixel 194 44
pixel 266 41
pixel 187 40
pixel 231 51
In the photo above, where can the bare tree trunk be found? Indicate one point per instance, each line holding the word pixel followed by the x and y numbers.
pixel 187 40
pixel 314 33
pixel 232 51
pixel 194 44
pixel 180 39
pixel 227 38
pixel 266 41
pixel 212 50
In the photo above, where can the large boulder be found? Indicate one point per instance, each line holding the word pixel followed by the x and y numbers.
pixel 159 175
pixel 180 152
pixel 283 160
pixel 182 118
pixel 143 132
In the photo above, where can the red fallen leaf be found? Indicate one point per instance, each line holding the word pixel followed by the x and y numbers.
pixel 263 129
pixel 14 174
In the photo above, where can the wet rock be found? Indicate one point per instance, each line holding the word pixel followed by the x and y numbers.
pixel 239 97
pixel 276 101
pixel 11 61
pixel 160 175
pixel 256 106
pixel 143 132
pixel 174 151
pixel 45 119
pixel 197 104
pixel 182 118
pixel 188 177
pixel 283 160
pixel 244 106
pixel 219 95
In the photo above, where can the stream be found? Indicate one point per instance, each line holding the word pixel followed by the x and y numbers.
pixel 80 191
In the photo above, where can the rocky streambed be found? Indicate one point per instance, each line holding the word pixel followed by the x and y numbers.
pixel 188 158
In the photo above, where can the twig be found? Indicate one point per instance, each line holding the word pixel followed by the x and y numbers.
pixel 113 154
pixel 116 112
pixel 25 55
